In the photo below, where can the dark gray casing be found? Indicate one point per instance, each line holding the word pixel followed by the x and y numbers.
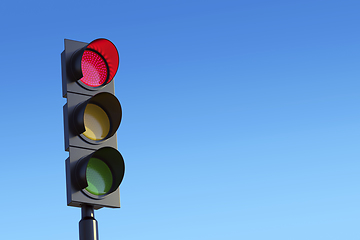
pixel 74 144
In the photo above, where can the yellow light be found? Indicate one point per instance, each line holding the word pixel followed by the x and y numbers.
pixel 97 124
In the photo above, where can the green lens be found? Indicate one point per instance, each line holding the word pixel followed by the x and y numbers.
pixel 98 177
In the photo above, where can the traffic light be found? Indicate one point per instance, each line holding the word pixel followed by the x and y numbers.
pixel 92 115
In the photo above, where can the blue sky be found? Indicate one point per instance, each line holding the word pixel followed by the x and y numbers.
pixel 240 118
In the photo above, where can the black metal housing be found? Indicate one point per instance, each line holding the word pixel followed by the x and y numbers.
pixel 81 148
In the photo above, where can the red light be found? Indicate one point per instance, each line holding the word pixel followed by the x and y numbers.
pixel 94 68
pixel 108 51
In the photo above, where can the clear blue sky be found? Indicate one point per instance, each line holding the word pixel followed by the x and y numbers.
pixel 240 118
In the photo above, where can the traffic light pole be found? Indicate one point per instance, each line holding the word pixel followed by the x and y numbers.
pixel 88 226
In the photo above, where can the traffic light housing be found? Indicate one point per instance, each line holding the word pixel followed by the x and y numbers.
pixel 92 115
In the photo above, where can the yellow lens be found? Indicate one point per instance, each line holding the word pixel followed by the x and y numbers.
pixel 97 124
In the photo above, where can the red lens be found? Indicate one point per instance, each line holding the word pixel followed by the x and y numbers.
pixel 94 69
pixel 109 52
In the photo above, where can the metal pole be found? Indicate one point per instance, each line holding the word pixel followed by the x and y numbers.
pixel 88 226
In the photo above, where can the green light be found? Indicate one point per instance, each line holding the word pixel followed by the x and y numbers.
pixel 98 177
